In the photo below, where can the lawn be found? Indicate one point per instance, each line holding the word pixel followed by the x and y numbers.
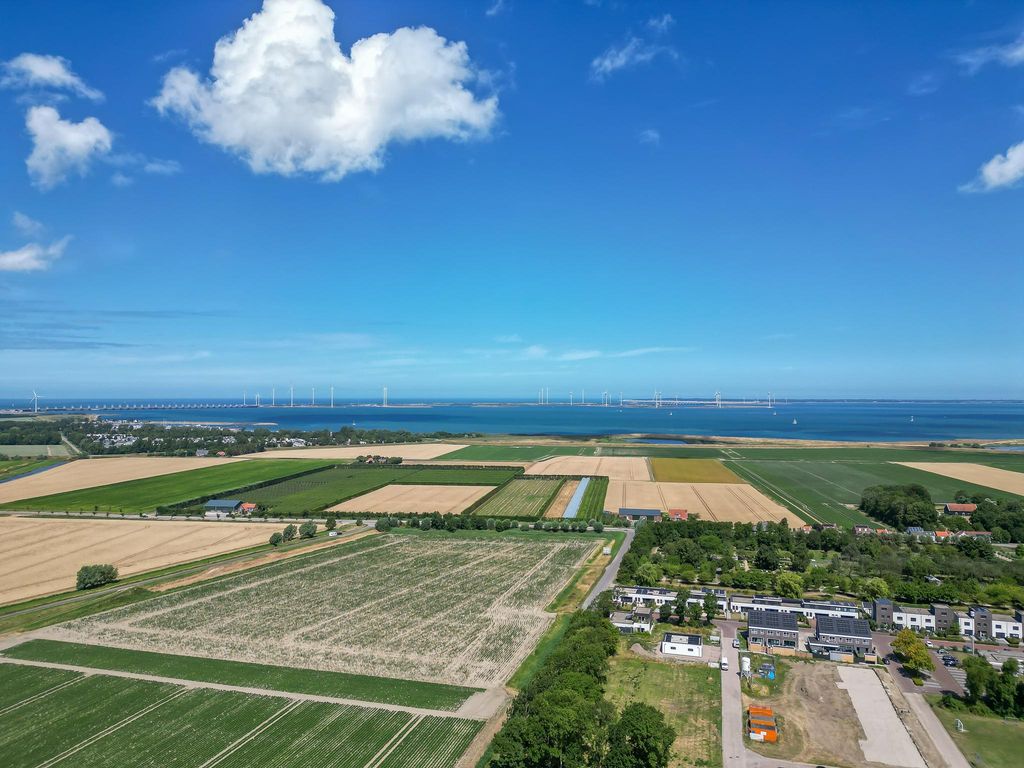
pixel 689 695
pixel 987 742
pixel 520 498
pixel 341 685
pixel 11 468
pixel 151 492
pixel 515 452
pixel 692 471
pixel 33 450
pixel 822 489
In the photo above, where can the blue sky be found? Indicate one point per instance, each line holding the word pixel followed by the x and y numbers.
pixel 480 199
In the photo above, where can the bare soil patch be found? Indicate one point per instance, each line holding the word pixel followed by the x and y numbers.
pixel 415 499
pixel 41 556
pixel 562 499
pixel 990 477
pixel 406 451
pixel 92 473
pixel 723 502
pixel 612 467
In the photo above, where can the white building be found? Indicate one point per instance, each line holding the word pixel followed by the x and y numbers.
pixel 628 622
pixel 810 609
pixel 682 645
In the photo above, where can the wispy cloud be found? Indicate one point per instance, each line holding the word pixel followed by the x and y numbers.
pixel 859 118
pixel 923 85
pixel 650 136
pixel 34 71
pixel 579 354
pixel 633 52
pixel 509 338
pixel 538 352
pixel 32 257
pixel 661 24
pixel 26 225
pixel 1001 172
pixel 1008 54
pixel 498 6
pixel 652 351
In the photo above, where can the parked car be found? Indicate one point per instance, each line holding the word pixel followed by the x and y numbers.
pixel 735 642
pixel 929 643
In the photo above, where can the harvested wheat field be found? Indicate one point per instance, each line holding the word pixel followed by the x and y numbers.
pixel 612 467
pixel 42 556
pixel 415 499
pixel 979 474
pixel 721 502
pixel 92 473
pixel 562 499
pixel 406 451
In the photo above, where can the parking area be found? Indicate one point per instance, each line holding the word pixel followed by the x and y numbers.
pixel 942 680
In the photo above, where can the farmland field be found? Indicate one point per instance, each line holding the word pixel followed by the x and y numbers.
pixel 13 467
pixel 23 683
pixel 109 722
pixel 398 499
pixel 722 502
pixel 92 473
pixel 991 477
pixel 515 452
pixel 822 490
pixel 478 603
pixel 419 451
pixel 39 556
pixel 33 450
pixel 340 685
pixel 692 471
pixel 690 697
pixel 615 468
pixel 317 490
pixel 520 498
pixel 146 494
pixel 592 506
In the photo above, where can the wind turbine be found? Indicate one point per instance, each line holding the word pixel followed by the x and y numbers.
pixel 35 401
pixel 313 401
pixel 291 395
pixel 332 395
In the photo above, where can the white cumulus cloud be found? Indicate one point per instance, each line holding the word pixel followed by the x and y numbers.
pixel 61 146
pixel 1001 171
pixel 32 257
pixel 282 95
pixel 34 70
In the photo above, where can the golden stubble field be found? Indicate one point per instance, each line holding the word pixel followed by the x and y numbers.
pixel 979 474
pixel 612 467
pixel 415 499
pixel 722 502
pixel 406 451
pixel 40 556
pixel 92 473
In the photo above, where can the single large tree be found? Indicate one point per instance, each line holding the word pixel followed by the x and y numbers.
pixel 710 607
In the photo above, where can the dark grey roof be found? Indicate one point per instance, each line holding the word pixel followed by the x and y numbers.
pixel 829 625
pixel 771 620
pixel 223 503
pixel 675 637
pixel 639 512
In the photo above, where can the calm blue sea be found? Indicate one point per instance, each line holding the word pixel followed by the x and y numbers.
pixel 871 421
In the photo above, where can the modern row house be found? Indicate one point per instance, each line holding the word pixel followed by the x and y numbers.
pixel 640 619
pixel 977 621
pixel 842 635
pixel 655 597
pixel 810 609
pixel 772 629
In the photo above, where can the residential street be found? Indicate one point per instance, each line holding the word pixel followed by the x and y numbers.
pixel 607 579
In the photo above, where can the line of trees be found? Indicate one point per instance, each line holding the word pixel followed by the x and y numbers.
pixel 92 576
pixel 561 718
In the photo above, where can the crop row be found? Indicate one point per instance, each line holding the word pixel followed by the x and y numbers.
pixel 520 498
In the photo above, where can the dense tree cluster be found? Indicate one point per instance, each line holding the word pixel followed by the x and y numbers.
pixel 561 718
pixel 90 576
pixel 829 561
pixel 900 506
pixel 29 432
pixel 1000 691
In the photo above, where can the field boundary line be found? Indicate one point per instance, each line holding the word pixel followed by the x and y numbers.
pixel 243 740
pixel 391 746
pixel 41 694
pixel 795 504
pixel 111 729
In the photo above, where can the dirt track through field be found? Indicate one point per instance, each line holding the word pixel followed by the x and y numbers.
pixel 722 502
pixel 415 499
pixel 91 473
pixel 990 477
pixel 40 556
pixel 612 467
pixel 406 451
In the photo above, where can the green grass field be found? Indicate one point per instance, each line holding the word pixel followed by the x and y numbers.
pixel 987 742
pixel 692 471
pixel 821 489
pixel 515 452
pixel 33 450
pixel 110 722
pixel 15 467
pixel 411 693
pixel 660 451
pixel 318 490
pixel 147 494
pixel 520 498
pixel 592 503
pixel 688 695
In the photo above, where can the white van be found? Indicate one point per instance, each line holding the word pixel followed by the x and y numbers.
pixel 725 664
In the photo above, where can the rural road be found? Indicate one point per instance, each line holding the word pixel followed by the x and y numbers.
pixel 470 709
pixel 943 741
pixel 608 577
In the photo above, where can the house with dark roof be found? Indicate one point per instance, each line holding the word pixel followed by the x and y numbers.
pixel 634 514
pixel 772 629
pixel 841 636
pixel 963 510
pixel 676 644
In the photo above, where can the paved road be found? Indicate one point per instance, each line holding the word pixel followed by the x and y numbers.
pixel 939 735
pixel 607 579
pixel 940 681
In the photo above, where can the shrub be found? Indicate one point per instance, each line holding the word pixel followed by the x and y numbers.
pixel 276 538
